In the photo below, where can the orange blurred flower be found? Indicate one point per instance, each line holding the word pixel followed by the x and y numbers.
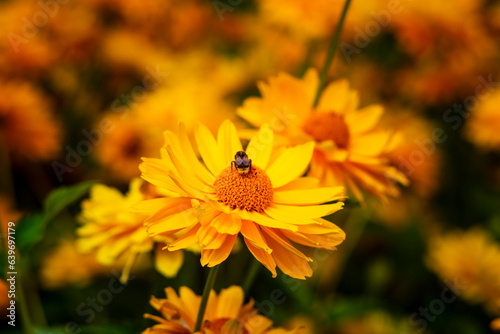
pixel 351 150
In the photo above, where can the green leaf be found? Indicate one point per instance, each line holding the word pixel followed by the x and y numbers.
pixel 31 229
pixel 61 197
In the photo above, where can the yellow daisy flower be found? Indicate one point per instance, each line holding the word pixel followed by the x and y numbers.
pixel 116 233
pixel 350 149
pixel 225 314
pixel 268 203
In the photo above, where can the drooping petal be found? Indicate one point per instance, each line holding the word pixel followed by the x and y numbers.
pixel 168 263
pixel 227 223
pixel 289 263
pixel 265 220
pixel 263 257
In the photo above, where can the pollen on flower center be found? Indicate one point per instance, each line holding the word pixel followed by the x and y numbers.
pixel 252 191
pixel 328 126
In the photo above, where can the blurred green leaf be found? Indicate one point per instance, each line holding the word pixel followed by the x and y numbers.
pixel 60 198
pixel 31 229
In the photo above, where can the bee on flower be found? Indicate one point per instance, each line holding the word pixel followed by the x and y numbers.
pixel 258 193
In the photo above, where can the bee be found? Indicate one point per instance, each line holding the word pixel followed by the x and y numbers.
pixel 241 163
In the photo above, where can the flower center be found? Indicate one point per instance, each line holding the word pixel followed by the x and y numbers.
pixel 252 191
pixel 327 126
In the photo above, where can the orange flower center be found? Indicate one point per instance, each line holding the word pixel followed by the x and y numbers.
pixel 327 126
pixel 252 191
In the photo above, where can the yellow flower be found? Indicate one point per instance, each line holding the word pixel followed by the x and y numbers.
pixel 471 260
pixel 269 204
pixel 225 314
pixel 484 122
pixel 116 233
pixel 64 265
pixel 350 149
pixel 26 125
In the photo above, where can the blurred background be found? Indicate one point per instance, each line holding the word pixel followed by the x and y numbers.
pixel 87 88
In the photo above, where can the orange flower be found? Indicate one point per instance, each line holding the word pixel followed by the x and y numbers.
pixel 26 125
pixel 225 314
pixel 350 149
pixel 268 203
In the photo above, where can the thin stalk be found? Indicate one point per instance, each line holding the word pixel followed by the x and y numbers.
pixel 252 274
pixel 331 51
pixel 209 284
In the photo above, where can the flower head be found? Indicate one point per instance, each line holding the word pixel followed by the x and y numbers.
pixel 118 234
pixel 350 149
pixel 225 314
pixel 266 201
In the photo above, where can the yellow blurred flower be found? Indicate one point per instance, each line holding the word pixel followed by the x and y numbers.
pixel 225 314
pixel 27 127
pixel 376 322
pixel 470 259
pixel 351 150
pixel 116 233
pixel 269 204
pixel 315 19
pixel 484 122
pixel 65 265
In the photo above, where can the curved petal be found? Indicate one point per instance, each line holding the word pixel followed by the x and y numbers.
pixel 289 263
pixel 371 144
pixel 264 220
pixel 252 234
pixel 290 164
pixel 227 223
pixel 337 97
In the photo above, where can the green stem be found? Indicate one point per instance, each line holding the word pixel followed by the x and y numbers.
pixel 23 309
pixel 331 52
pixel 252 274
pixel 209 284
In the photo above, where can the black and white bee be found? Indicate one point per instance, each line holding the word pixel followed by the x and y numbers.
pixel 241 163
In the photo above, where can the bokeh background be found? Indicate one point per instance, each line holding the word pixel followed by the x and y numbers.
pixel 87 88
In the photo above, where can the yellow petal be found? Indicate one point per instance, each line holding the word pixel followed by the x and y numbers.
pixel 253 112
pixel 265 220
pixel 173 223
pixel 308 196
pixel 307 212
pixel 187 240
pixel 260 147
pixel 213 257
pixel 230 301
pixel 291 164
pixel 372 144
pixel 262 256
pixel 228 141
pixel 168 263
pixel 252 234
pixel 191 157
pixel 277 236
pixel 209 150
pixel 364 119
pixel 300 183
pixel 227 223
pixel 289 263
pixel 337 98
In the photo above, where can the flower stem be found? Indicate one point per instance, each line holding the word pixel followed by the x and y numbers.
pixel 331 51
pixel 209 284
pixel 252 274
